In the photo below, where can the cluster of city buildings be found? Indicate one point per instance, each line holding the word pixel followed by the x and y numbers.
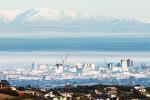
pixel 65 71
pixel 124 65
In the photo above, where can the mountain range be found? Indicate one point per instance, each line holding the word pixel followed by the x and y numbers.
pixel 46 19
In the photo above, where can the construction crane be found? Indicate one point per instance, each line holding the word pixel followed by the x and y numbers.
pixel 64 60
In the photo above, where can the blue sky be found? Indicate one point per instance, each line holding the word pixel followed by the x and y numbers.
pixel 113 8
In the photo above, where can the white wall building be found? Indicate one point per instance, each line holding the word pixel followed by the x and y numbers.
pixel 59 68
pixel 73 69
pixel 124 65
pixel 116 69
pixel 12 74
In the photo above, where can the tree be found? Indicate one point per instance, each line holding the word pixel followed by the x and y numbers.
pixel 4 83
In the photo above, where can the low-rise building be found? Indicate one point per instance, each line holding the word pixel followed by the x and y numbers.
pixel 141 89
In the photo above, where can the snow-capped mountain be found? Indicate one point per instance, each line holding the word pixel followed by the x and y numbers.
pixel 47 15
pixel 144 20
pixel 50 19
pixel 37 16
pixel 6 16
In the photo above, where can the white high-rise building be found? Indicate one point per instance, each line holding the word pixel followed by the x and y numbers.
pixel 93 66
pixel 59 68
pixel 34 65
pixel 124 65
pixel 130 63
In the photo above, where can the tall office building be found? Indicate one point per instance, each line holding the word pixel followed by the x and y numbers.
pixel 129 63
pixel 110 66
pixel 34 65
pixel 124 65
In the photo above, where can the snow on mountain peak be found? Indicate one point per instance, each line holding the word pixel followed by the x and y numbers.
pixel 144 20
pixel 8 15
pixel 39 15
pixel 46 16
